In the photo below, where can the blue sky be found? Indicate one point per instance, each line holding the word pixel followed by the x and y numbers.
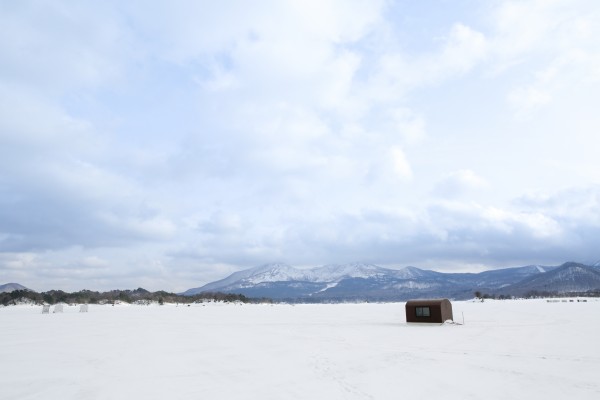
pixel 168 144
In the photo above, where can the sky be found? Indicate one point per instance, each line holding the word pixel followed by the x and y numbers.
pixel 168 144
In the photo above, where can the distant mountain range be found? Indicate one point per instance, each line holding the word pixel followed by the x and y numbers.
pixel 358 282
pixel 568 278
pixel 10 287
pixel 371 282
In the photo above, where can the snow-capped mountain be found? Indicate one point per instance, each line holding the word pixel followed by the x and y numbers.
pixel 413 273
pixel 276 272
pixel 569 277
pixel 279 272
pixel 337 272
pixel 499 278
pixel 11 287
pixel 368 281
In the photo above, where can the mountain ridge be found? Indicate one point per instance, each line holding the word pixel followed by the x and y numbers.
pixel 570 276
pixel 11 287
pixel 371 282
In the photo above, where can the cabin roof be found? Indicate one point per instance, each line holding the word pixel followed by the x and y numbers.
pixel 426 302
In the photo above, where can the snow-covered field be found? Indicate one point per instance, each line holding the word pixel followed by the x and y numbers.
pixel 506 350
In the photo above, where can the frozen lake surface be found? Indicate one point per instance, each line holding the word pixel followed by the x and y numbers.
pixel 527 349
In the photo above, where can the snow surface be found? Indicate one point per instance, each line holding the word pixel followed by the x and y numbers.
pixel 337 272
pixel 506 350
pixel 540 269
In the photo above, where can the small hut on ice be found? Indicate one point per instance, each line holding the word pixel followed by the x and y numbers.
pixel 436 310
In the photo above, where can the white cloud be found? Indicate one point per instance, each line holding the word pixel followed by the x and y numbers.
pixel 148 228
pixel 408 124
pixel 401 165
pixel 219 80
pixel 398 73
pixel 537 224
pixel 94 262
pixel 18 261
pixel 534 27
pixel 51 125
pixel 221 223
pixel 526 99
pixel 186 140
pixel 459 182
pixel 465 47
pixel 553 42
pixel 580 205
pixel 56 46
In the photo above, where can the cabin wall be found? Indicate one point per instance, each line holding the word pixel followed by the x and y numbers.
pixel 435 314
pixel 446 311
pixel 439 311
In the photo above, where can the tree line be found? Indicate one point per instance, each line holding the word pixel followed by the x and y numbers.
pixel 537 294
pixel 127 296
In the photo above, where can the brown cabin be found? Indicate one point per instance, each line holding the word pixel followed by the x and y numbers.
pixel 436 310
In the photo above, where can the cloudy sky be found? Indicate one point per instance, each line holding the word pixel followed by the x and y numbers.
pixel 167 144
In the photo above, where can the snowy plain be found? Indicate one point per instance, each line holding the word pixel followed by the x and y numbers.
pixel 512 349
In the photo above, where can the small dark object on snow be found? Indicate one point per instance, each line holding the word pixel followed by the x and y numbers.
pixel 434 310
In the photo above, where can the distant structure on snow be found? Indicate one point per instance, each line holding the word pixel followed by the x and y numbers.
pixel 433 311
